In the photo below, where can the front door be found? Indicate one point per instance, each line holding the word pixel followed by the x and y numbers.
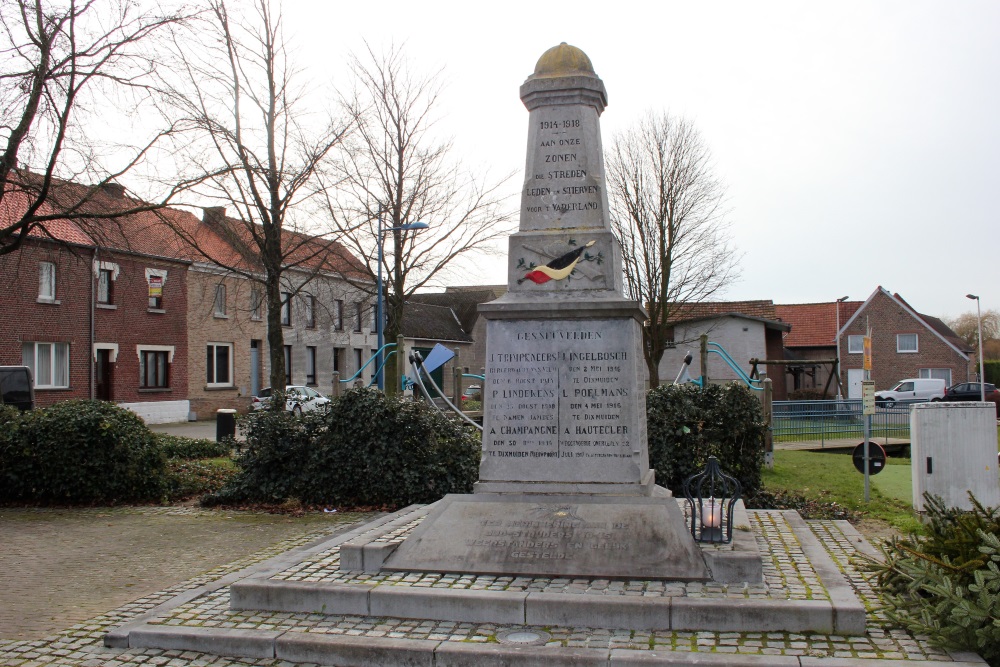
pixel 854 378
pixel 102 375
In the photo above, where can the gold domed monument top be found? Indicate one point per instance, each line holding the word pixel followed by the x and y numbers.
pixel 564 75
pixel 564 60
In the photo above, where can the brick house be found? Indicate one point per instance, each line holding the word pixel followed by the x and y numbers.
pixel 744 329
pixel 98 311
pixel 812 337
pixel 328 322
pixel 905 344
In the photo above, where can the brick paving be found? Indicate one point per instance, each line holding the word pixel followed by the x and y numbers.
pixel 82 644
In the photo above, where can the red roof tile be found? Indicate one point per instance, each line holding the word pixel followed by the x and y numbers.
pixel 814 324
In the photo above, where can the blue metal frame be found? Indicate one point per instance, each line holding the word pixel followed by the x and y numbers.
pixel 721 351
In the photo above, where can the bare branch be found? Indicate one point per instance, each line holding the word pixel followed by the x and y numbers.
pixel 667 211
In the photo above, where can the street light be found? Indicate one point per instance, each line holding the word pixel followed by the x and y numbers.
pixel 839 301
pixel 380 321
pixel 979 320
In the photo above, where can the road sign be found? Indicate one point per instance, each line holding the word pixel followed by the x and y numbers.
pixel 867 349
pixel 876 458
pixel 867 397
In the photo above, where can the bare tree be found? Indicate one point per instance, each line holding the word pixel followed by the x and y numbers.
pixel 394 172
pixel 256 149
pixel 966 326
pixel 64 68
pixel 667 211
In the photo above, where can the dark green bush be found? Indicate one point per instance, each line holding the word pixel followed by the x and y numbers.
pixel 80 452
pixel 991 369
pixel 367 449
pixel 946 585
pixel 179 447
pixel 686 425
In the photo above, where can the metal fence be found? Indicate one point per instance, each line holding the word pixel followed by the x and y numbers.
pixel 827 422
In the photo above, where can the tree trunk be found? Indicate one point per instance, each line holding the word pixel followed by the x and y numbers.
pixel 275 334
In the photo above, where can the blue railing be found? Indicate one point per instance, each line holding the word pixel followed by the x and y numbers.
pixel 391 347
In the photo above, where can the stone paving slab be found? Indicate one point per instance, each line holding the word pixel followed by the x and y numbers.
pixel 882 644
pixel 63 566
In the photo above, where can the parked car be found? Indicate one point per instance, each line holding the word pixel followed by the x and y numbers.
pixel 16 387
pixel 473 393
pixel 912 390
pixel 298 399
pixel 969 391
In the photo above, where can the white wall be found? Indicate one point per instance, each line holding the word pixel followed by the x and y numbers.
pixel 743 339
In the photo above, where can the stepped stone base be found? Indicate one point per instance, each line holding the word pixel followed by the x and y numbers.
pixel 301 608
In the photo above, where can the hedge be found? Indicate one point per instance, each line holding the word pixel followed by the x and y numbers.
pixel 366 449
pixel 686 425
pixel 79 452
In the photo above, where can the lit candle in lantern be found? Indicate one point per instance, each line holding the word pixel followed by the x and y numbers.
pixel 711 514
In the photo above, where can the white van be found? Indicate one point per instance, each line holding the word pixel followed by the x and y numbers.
pixel 912 390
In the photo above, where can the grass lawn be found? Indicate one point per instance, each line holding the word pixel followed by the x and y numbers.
pixel 831 477
pixel 895 481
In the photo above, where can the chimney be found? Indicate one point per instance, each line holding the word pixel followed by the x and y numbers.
pixel 115 190
pixel 214 215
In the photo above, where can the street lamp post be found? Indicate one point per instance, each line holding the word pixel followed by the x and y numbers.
pixel 379 307
pixel 839 301
pixel 979 322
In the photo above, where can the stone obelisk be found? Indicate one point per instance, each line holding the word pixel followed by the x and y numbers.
pixel 564 407
pixel 564 484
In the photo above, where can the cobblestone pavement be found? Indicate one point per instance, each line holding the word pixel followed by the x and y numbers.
pixel 60 567
pixel 82 644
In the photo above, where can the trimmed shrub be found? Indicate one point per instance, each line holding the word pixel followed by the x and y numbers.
pixel 179 447
pixel 365 450
pixel 80 452
pixel 187 477
pixel 946 585
pixel 686 425
pixel 991 369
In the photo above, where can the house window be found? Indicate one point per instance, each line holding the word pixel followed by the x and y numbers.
pixel 155 279
pixel 359 358
pixel 154 369
pixel 338 315
pixel 338 361
pixel 46 281
pixel 856 344
pixel 358 315
pixel 105 294
pixel 374 319
pixel 288 364
pixel 311 365
pixel 49 364
pixel 219 364
pixel 220 300
pixel 310 304
pixel 256 304
pixel 286 309
pixel 937 374
pixel 906 343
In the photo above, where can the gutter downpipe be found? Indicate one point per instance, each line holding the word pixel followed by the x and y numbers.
pixel 91 361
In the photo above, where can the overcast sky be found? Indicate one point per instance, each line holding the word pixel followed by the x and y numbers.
pixel 860 141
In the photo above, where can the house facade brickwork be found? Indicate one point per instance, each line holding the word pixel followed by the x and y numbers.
pixel 905 344
pixel 80 317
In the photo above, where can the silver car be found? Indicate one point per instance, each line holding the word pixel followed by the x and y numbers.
pixel 298 399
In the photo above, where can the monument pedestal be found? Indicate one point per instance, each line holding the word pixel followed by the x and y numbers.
pixel 581 536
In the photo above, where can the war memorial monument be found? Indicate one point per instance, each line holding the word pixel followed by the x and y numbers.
pixel 566 530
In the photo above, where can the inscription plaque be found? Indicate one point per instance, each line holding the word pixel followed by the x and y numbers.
pixel 561 397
